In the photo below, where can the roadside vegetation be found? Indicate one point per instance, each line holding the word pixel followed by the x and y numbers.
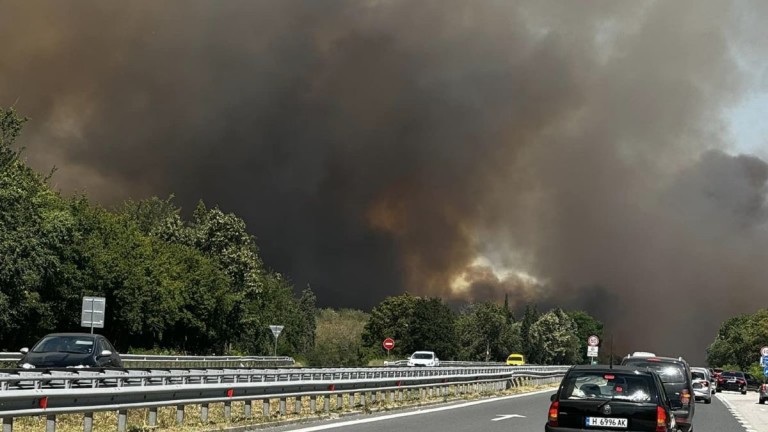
pixel 738 342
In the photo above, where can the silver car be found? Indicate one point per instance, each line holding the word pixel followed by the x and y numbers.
pixel 702 386
pixel 710 377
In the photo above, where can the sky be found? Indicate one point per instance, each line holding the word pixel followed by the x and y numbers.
pixel 599 155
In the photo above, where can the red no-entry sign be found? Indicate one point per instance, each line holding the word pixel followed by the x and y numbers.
pixel 388 344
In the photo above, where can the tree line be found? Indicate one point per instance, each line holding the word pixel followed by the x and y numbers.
pixel 738 342
pixel 197 285
pixel 486 331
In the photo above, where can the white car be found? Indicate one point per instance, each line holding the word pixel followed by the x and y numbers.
pixel 423 358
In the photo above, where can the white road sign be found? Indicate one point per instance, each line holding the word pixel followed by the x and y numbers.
pixel 592 351
pixel 764 351
pixel 593 341
pixel 92 314
pixel 276 329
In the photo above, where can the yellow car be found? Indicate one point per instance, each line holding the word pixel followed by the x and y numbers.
pixel 516 360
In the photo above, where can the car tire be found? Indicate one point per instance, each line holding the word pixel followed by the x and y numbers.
pixel 744 391
pixel 708 401
pixel 761 401
pixel 718 390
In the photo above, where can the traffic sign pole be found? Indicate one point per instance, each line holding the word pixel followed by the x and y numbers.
pixel 388 344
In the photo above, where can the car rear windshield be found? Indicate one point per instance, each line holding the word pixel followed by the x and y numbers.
pixel 609 386
pixel 670 373
pixel 733 374
pixel 65 344
pixel 515 357
pixel 422 356
pixel 698 375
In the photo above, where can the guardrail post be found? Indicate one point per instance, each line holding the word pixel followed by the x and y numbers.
pixel 297 405
pixel 248 409
pixel 391 396
pixel 87 422
pixel 327 404
pixel 153 416
pixel 313 404
pixel 204 412
pixel 7 424
pixel 179 414
pixel 282 406
pixel 122 420
pixel 265 408
pixel 339 402
pixel 50 423
pixel 228 411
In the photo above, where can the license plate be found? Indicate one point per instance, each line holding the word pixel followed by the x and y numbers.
pixel 607 422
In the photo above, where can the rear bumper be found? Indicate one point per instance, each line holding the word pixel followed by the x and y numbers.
pixel 548 428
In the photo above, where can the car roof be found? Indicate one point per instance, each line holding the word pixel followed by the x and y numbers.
pixel 73 334
pixel 678 360
pixel 608 369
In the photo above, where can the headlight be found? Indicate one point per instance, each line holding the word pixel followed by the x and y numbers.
pixel 410 363
pixel 28 366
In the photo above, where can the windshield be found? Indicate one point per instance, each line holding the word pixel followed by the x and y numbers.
pixel 515 358
pixel 65 344
pixel 609 386
pixel 733 374
pixel 422 356
pixel 698 375
pixel 669 373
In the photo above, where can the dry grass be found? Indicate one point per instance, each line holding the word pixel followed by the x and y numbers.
pixel 138 420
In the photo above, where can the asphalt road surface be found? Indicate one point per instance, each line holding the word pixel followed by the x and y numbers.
pixel 519 413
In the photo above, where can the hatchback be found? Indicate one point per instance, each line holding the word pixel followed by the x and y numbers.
pixel 601 398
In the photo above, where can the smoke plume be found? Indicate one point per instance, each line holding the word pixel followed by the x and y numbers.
pixel 569 153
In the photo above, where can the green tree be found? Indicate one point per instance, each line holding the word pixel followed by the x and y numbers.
pixel 484 332
pixel 530 316
pixel 553 339
pixel 586 325
pixel 390 318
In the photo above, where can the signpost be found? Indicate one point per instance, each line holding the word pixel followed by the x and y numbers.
pixel 764 351
pixel 276 329
pixel 592 349
pixel 92 314
pixel 388 344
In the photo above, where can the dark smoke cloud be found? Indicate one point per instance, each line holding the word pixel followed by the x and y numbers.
pixel 381 146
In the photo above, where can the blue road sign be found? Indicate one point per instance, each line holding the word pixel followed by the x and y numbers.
pixel 765 371
pixel 764 361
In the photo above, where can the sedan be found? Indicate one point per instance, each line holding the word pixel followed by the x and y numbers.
pixel 62 350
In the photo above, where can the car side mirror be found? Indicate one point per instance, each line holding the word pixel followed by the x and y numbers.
pixel 24 350
pixel 105 353
pixel 553 397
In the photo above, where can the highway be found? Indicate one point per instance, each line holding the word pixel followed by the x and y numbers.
pixel 519 413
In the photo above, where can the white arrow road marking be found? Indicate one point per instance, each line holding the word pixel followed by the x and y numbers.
pixel 507 416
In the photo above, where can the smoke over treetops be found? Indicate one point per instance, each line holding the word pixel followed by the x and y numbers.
pixel 448 148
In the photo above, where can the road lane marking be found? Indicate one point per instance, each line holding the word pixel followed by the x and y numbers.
pixel 507 416
pixel 413 413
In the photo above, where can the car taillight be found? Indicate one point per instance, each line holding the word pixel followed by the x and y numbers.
pixel 661 419
pixel 764 388
pixel 685 397
pixel 553 409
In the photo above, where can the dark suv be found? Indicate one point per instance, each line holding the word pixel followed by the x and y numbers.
pixel 675 374
pixel 599 398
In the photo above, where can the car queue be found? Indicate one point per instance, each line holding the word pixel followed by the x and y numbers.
pixel 645 393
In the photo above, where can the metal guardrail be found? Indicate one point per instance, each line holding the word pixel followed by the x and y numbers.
pixel 49 393
pixel 448 363
pixel 143 361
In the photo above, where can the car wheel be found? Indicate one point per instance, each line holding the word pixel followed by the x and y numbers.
pixel 743 391
pixel 718 390
pixel 762 401
pixel 708 401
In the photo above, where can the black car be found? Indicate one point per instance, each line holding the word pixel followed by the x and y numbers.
pixel 599 398
pixel 675 374
pixel 736 381
pixel 60 350
pixel 753 382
